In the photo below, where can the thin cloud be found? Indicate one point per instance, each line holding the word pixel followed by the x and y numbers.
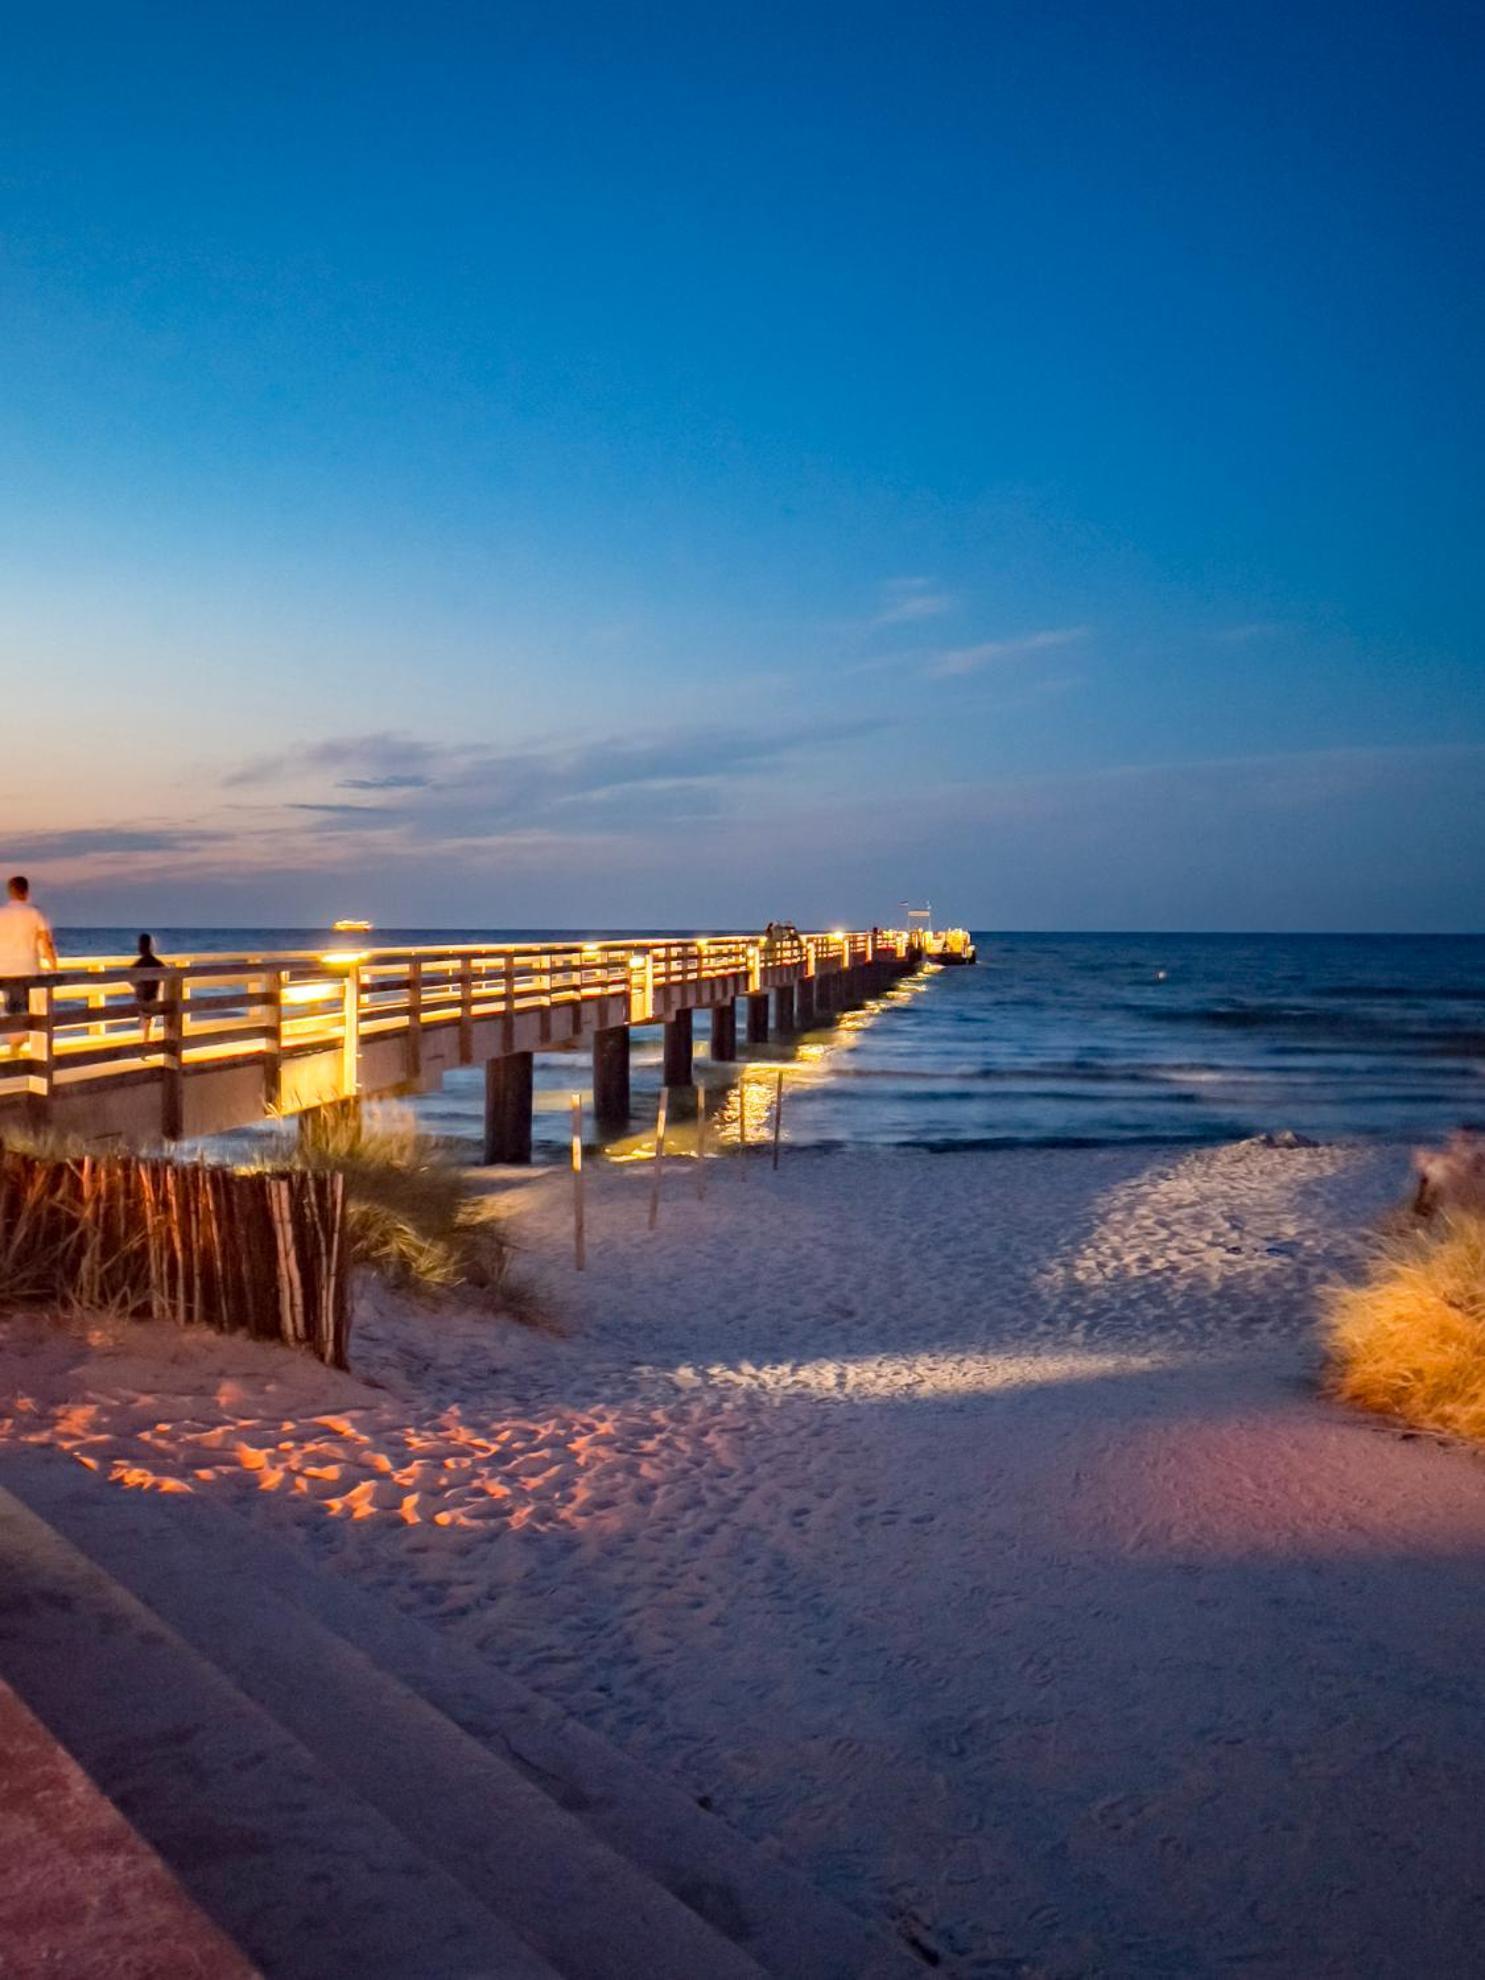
pixel 1241 635
pixel 329 809
pixel 969 659
pixel 459 792
pixel 402 783
pixel 907 600
pixel 88 841
pixel 385 760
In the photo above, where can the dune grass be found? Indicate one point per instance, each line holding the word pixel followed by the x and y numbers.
pixel 1409 1341
pixel 412 1220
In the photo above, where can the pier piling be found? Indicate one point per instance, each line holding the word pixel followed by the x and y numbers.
pixel 678 1038
pixel 758 1017
pixel 611 1076
pixel 508 1086
pixel 724 1030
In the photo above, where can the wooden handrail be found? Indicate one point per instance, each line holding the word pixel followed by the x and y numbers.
pixel 84 1024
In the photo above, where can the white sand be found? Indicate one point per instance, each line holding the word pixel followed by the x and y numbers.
pixel 969 1523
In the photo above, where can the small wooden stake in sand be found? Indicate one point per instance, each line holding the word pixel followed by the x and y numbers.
pixel 778 1116
pixel 659 1157
pixel 579 1250
pixel 701 1141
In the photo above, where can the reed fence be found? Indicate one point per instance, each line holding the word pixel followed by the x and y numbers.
pixel 257 1252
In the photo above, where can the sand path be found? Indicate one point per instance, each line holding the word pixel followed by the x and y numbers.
pixel 967 1523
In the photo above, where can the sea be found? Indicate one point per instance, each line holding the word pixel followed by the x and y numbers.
pixel 1061 1041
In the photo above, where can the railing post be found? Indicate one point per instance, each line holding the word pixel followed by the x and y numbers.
pixel 642 987
pixel 172 1058
pixel 350 1034
pixel 508 1017
pixel 466 1010
pixel 40 1003
pixel 273 1051
pixel 415 1018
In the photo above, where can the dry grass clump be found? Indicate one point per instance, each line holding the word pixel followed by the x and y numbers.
pixel 410 1214
pixel 1409 1341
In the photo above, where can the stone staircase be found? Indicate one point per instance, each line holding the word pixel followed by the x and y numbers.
pixel 342 1791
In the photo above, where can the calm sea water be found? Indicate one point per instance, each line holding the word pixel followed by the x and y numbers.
pixel 1065 1039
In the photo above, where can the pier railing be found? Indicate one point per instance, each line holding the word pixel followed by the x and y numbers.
pixel 297 1027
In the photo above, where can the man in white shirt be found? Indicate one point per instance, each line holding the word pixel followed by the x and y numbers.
pixel 26 949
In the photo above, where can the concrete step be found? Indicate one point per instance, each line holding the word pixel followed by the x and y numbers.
pixel 299 1872
pixel 82 1895
pixel 590 1912
pixel 748 1892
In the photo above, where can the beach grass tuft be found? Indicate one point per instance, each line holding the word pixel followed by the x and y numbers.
pixel 1409 1340
pixel 411 1216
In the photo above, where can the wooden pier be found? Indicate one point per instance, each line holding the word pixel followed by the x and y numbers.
pixel 237 1038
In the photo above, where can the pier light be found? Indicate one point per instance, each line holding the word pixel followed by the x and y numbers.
pixel 309 993
pixel 344 958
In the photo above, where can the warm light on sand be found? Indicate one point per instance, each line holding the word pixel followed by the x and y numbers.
pixel 896 1377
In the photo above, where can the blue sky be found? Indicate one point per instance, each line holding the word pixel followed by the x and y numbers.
pixel 647 464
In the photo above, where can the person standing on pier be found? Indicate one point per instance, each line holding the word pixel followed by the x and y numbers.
pixel 145 976
pixel 26 949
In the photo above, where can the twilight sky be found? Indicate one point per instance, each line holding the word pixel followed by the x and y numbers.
pixel 677 465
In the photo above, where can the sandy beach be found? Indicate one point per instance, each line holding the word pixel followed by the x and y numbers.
pixel 971 1525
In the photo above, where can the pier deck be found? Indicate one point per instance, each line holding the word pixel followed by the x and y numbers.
pixel 241 1037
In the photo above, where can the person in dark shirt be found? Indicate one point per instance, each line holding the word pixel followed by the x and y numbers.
pixel 145 976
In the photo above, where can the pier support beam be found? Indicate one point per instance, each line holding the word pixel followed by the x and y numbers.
pixel 783 1009
pixel 508 1108
pixel 611 1076
pixel 724 1030
pixel 758 1017
pixel 804 1002
pixel 678 1037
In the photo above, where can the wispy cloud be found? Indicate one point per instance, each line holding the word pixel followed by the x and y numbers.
pixel 455 790
pixel 386 760
pixel 958 660
pixel 907 600
pixel 103 841
pixel 1250 629
pixel 395 799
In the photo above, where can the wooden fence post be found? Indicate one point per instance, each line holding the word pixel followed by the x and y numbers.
pixel 579 1247
pixel 659 1157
